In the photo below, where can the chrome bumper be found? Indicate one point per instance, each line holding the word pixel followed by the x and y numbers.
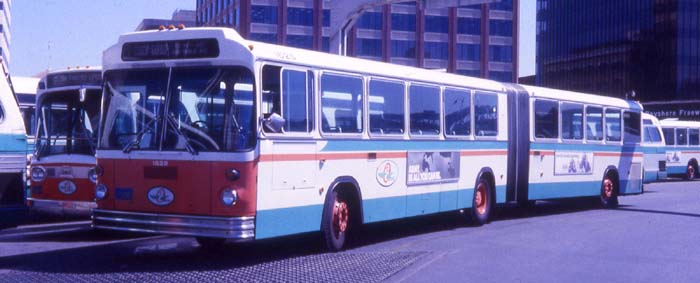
pixel 62 207
pixel 233 228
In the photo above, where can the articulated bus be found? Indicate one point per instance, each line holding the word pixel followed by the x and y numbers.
pixel 62 167
pixel 13 157
pixel 209 135
pixel 682 147
pixel 654 147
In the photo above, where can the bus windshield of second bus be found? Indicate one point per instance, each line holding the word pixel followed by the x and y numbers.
pixel 208 109
pixel 68 123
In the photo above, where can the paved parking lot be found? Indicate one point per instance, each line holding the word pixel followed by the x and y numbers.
pixel 651 237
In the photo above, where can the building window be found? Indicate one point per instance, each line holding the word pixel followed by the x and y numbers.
pixel 403 48
pixel 369 47
pixel 503 5
pixel 469 26
pixel 501 76
pixel 403 22
pixel 436 50
pixel 501 27
pixel 498 53
pixel 469 52
pixel 370 20
pixel 264 14
pixel 438 24
pixel 300 16
pixel 300 41
pixel 470 73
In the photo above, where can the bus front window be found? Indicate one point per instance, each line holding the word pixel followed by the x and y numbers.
pixel 193 109
pixel 68 125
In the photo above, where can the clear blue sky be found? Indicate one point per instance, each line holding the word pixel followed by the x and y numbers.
pixel 61 33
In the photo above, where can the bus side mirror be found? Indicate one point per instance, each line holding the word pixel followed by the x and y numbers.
pixel 83 93
pixel 273 123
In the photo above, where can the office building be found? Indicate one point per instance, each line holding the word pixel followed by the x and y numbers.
pixel 5 22
pixel 185 17
pixel 475 40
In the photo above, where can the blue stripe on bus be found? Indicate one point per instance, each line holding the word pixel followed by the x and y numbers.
pixel 11 143
pixel 577 189
pixel 681 169
pixel 375 145
pixel 301 219
pixel 584 147
pixel 651 176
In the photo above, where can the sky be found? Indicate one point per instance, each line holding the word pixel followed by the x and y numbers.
pixel 55 34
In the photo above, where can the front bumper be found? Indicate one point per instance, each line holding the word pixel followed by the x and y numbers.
pixel 232 228
pixel 62 207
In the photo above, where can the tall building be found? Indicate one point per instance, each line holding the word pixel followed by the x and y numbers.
pixel 640 49
pixel 185 17
pixel 475 40
pixel 5 21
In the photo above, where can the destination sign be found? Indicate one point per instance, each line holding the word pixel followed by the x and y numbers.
pixel 86 78
pixel 171 49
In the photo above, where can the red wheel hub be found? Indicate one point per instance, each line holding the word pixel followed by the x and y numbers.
pixel 481 199
pixel 691 171
pixel 608 188
pixel 340 217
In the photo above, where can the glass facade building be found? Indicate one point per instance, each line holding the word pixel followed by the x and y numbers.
pixel 646 47
pixel 476 40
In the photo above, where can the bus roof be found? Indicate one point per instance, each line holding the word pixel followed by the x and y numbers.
pixel 558 94
pixel 679 124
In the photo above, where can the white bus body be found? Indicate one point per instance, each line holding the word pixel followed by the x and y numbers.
pixel 682 147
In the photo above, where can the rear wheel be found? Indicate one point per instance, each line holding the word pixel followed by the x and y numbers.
pixel 690 172
pixel 608 193
pixel 481 203
pixel 336 223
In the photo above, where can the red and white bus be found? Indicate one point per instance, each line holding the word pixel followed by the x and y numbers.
pixel 207 134
pixel 62 167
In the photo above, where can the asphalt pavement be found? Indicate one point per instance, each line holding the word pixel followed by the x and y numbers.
pixel 649 238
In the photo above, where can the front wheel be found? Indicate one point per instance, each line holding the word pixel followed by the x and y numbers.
pixel 690 172
pixel 336 222
pixel 481 203
pixel 608 193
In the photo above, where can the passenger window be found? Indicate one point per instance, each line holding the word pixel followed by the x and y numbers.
pixel 571 121
pixel 669 136
pixel 681 136
pixel 632 123
pixel 425 110
pixel 613 125
pixel 546 119
pixel 457 112
pixel 293 102
pixel 341 102
pixel 651 134
pixel 485 114
pixel 594 123
pixel 694 137
pixel 386 107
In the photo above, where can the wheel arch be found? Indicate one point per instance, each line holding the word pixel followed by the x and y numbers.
pixel 348 184
pixel 487 173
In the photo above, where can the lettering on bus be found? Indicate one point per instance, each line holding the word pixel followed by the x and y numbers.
pixel 160 163
pixel 573 163
pixel 432 167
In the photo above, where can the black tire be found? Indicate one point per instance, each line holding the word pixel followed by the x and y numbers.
pixel 335 236
pixel 211 244
pixel 481 208
pixel 608 192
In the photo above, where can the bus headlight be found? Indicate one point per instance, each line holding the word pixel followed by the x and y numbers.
pixel 229 197
pixel 100 191
pixel 38 174
pixel 94 173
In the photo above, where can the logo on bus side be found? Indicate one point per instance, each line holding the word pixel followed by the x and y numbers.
pixel 160 196
pixel 387 173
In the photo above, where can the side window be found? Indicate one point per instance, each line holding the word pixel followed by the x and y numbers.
pixel 613 125
pixel 651 134
pixel 694 137
pixel 571 121
pixel 288 93
pixel 546 119
pixel 681 136
pixel 386 107
pixel 341 104
pixel 632 123
pixel 458 119
pixel 594 123
pixel 485 114
pixel 669 136
pixel 424 104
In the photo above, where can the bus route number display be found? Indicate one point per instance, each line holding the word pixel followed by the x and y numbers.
pixel 170 49
pixel 92 78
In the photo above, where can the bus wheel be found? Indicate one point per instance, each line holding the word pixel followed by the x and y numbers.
pixel 481 204
pixel 690 174
pixel 608 194
pixel 336 222
pixel 211 244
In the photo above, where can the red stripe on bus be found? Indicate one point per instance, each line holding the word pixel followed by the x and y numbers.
pixel 633 154
pixel 364 155
pixel 483 152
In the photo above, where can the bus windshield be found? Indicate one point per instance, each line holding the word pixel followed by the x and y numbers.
pixel 193 109
pixel 68 125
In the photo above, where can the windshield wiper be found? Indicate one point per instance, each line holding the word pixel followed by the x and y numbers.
pixel 172 122
pixel 139 136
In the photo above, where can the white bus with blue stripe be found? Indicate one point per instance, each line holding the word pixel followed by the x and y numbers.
pixel 682 147
pixel 209 135
pixel 654 147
